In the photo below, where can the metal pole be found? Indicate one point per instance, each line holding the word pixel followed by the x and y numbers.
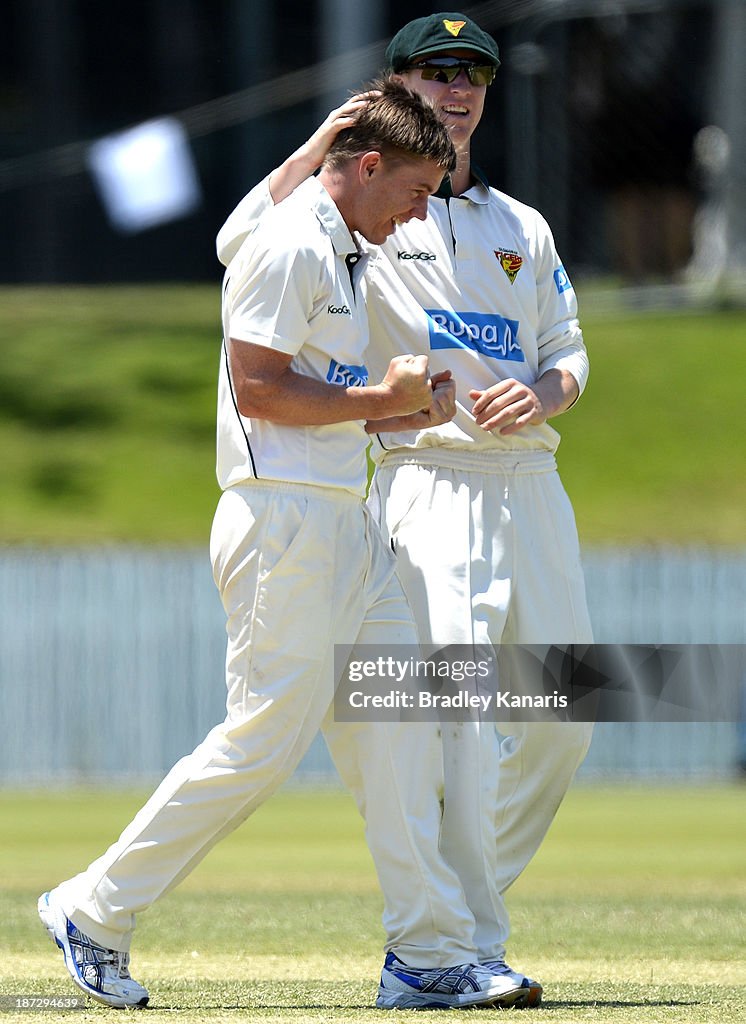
pixel 346 27
pixel 729 114
pixel 49 44
pixel 251 55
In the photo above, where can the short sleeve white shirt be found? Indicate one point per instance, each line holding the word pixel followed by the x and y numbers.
pixel 292 286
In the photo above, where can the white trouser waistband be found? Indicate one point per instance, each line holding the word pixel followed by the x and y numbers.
pixel 483 461
pixel 313 491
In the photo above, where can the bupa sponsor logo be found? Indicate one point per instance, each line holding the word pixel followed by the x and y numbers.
pixel 489 333
pixel 347 376
pixel 425 256
pixel 562 280
pixel 339 310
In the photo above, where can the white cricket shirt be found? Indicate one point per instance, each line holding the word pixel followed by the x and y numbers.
pixel 292 286
pixel 479 287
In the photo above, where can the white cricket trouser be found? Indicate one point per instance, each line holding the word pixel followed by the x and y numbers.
pixel 299 570
pixel 487 552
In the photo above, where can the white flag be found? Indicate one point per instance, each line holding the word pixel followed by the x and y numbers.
pixel 146 175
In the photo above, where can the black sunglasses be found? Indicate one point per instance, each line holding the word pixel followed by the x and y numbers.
pixel 446 69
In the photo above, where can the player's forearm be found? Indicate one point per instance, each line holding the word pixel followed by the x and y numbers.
pixel 296 400
pixel 267 387
pixel 293 172
pixel 556 390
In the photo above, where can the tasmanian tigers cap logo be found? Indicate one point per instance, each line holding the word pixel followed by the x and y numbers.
pixel 439 34
pixel 454 27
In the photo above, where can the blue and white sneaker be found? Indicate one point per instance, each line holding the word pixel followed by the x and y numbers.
pixel 532 990
pixel 417 988
pixel 101 973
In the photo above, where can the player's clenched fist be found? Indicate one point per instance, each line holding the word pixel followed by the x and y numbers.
pixel 443 405
pixel 408 385
pixel 439 405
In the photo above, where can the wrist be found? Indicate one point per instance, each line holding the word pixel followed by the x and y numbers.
pixel 376 401
pixel 556 391
pixel 305 160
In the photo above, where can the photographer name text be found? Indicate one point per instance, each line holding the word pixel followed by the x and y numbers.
pixel 424 700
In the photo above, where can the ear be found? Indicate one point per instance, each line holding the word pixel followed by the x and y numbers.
pixel 368 164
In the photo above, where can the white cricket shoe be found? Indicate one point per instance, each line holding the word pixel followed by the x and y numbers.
pixel 403 987
pixel 532 990
pixel 101 973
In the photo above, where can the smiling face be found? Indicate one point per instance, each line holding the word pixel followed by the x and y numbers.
pixel 392 191
pixel 459 103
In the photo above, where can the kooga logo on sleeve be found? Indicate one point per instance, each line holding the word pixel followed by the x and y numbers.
pixel 488 333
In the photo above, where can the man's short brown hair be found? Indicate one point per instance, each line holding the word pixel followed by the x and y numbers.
pixel 396 123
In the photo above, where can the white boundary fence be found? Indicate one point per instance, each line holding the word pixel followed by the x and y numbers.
pixel 111 660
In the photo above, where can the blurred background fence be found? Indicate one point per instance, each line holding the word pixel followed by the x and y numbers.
pixel 112 660
pixel 622 120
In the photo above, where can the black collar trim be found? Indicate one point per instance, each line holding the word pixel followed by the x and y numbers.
pixel 446 192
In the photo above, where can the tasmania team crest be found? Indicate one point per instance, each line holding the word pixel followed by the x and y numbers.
pixel 511 262
pixel 454 27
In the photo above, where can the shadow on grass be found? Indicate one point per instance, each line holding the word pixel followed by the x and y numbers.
pixel 611 1004
pixel 331 1006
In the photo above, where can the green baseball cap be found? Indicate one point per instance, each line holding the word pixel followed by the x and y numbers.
pixel 438 33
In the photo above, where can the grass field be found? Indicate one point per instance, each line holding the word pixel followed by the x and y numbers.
pixel 107 420
pixel 633 912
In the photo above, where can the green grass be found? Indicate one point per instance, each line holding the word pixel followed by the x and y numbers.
pixel 631 913
pixel 654 452
pixel 107 420
pixel 107 413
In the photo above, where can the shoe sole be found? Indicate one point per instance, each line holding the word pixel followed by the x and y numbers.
pixel 55 923
pixel 388 1000
pixel 532 998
